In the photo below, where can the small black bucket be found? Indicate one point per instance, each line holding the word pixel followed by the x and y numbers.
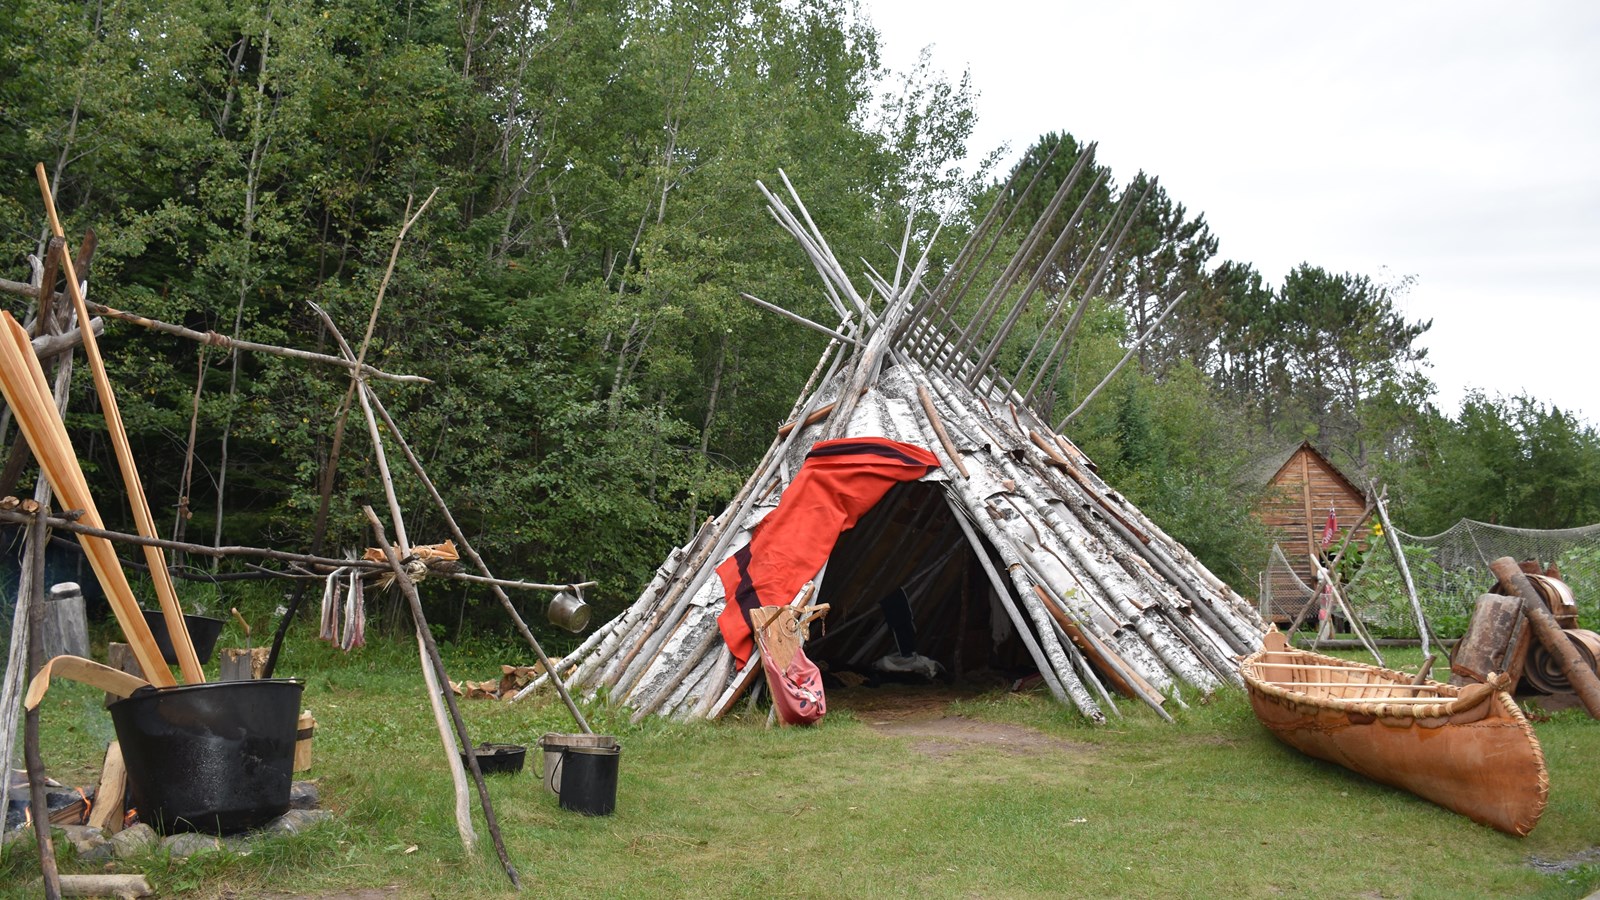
pixel 497 759
pixel 216 757
pixel 203 633
pixel 588 779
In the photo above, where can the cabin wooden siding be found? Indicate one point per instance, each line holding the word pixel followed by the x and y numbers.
pixel 1294 509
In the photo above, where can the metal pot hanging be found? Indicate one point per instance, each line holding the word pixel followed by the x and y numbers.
pixel 567 610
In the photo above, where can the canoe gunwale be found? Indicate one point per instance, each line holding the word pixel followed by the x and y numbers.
pixel 1465 699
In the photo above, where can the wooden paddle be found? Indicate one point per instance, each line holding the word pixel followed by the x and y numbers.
pixel 23 383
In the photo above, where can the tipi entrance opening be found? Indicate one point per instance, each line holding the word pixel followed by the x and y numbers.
pixel 906 588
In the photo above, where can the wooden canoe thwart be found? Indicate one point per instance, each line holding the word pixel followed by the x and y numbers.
pixel 1468 749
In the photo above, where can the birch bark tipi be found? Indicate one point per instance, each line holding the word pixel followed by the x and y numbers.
pixel 1002 542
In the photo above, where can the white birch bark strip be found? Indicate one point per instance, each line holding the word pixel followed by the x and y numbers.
pixel 1181 554
pixel 627 625
pixel 649 648
pixel 687 694
pixel 1105 582
pixel 677 656
pixel 1119 585
pixel 1126 642
pixel 715 685
pixel 1052 658
pixel 1206 647
pixel 1236 634
pixel 1147 644
pixel 1176 657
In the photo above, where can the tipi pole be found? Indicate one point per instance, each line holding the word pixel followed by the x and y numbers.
pixel 941 300
pixel 1068 232
pixel 1132 349
pixel 1063 344
pixel 719 677
pixel 1063 300
pixel 991 301
pixel 1019 623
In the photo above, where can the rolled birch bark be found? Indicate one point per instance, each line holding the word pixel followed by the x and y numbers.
pixel 651 648
pixel 1115 586
pixel 618 629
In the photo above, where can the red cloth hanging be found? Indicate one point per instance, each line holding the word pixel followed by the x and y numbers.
pixel 840 481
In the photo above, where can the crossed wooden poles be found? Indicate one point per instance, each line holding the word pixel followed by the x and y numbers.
pixel 35 405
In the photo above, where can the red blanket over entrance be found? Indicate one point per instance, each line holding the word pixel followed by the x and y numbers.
pixel 840 481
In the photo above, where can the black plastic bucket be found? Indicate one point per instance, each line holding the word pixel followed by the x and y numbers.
pixel 216 757
pixel 588 779
pixel 203 633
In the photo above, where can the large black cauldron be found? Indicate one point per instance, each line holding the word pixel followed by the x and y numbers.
pixel 215 757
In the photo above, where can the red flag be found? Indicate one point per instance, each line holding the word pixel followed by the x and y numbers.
pixel 1330 529
pixel 840 481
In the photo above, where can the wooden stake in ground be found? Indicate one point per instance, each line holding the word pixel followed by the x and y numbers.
pixel 1400 562
pixel 1578 673
pixel 37 804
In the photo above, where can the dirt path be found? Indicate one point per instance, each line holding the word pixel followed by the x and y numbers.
pixel 920 713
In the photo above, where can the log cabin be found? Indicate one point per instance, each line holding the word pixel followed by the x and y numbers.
pixel 1303 486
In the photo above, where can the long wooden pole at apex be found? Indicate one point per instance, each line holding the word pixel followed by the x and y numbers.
pixel 171 611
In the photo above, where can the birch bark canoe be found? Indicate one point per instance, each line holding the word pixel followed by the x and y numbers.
pixel 1468 749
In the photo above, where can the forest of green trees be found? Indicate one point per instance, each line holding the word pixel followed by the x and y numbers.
pixel 573 287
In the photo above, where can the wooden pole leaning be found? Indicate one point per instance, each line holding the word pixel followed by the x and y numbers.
pixel 171 611
pixel 409 589
pixel 22 382
pixel 1583 679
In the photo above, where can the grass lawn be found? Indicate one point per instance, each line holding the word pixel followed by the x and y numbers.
pixel 1019 798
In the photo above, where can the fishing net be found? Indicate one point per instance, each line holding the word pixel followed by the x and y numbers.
pixel 1451 570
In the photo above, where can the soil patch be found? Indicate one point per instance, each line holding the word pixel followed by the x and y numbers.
pixel 1557 866
pixel 920 713
pixel 359 894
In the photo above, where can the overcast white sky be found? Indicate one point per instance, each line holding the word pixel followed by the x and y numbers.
pixel 1455 142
